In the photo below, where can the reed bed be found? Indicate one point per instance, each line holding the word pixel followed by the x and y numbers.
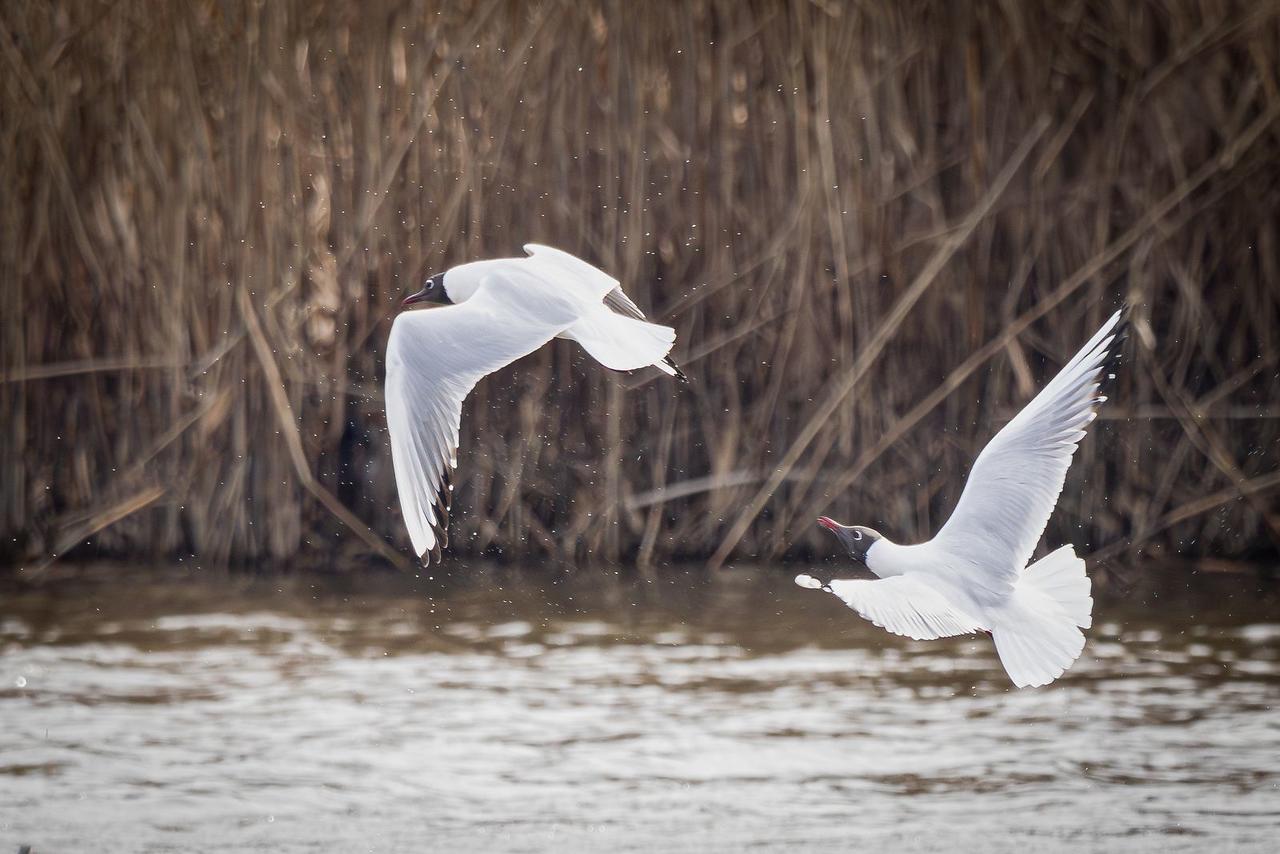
pixel 876 226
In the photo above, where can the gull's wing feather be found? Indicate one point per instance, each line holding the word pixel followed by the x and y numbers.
pixel 574 271
pixel 620 303
pixel 906 605
pixel 1016 480
pixel 593 278
pixel 434 358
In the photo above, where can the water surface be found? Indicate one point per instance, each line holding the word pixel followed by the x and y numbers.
pixel 199 711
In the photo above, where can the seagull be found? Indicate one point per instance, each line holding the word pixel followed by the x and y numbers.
pixel 973 575
pixel 493 313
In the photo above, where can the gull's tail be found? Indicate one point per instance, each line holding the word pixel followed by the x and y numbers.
pixel 624 343
pixel 1037 633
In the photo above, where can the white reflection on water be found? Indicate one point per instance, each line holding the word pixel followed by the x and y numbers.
pixel 673 717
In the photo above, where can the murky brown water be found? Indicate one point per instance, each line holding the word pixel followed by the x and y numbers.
pixel 216 714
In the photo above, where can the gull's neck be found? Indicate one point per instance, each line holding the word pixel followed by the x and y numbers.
pixel 461 282
pixel 886 558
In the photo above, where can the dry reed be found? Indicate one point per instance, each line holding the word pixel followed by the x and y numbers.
pixel 876 227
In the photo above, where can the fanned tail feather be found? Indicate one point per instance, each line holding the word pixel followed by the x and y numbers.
pixel 1060 576
pixel 1037 634
pixel 624 343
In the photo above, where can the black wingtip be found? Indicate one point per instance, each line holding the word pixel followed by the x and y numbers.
pixel 440 527
pixel 680 375
pixel 1121 332
pixel 1115 350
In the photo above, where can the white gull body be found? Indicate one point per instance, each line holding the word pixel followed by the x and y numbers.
pixel 973 575
pixel 500 310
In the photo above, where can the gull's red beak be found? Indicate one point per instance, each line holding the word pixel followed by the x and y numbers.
pixel 828 523
pixel 414 299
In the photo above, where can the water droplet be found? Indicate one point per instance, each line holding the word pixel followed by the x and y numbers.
pixel 21 682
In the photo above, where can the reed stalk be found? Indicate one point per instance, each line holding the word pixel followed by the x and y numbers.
pixel 876 227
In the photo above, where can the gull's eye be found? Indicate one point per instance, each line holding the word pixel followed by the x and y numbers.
pixel 857 535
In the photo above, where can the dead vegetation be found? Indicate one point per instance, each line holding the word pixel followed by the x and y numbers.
pixel 876 227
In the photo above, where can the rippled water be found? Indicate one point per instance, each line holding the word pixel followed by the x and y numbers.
pixel 213 713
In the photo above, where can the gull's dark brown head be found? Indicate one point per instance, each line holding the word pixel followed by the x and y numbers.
pixel 857 539
pixel 432 291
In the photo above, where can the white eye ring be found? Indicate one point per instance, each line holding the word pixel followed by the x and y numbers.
pixel 857 535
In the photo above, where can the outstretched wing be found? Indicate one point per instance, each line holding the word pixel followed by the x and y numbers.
pixel 1016 480
pixel 434 358
pixel 904 604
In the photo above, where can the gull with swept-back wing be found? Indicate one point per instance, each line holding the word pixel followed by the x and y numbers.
pixel 493 313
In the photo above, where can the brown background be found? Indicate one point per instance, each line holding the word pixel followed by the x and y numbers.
pixel 876 227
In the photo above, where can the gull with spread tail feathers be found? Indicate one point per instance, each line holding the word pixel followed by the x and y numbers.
pixel 973 575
